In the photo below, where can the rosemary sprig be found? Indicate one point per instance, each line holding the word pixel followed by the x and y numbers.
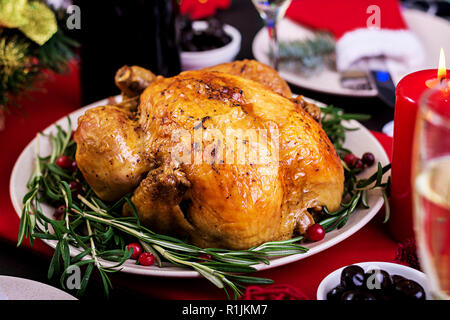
pixel 100 233
pixel 332 118
pixel 355 189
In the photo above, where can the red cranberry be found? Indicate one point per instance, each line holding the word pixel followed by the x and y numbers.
pixel 204 257
pixel 368 158
pixel 315 232
pixel 74 166
pixel 34 61
pixel 146 259
pixel 137 250
pixel 59 212
pixel 359 164
pixel 350 160
pixel 64 162
pixel 76 188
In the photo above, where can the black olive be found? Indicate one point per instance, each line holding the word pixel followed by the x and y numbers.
pixel 353 295
pixel 214 24
pixel 225 39
pixel 184 23
pixel 219 33
pixel 396 278
pixel 189 46
pixel 408 290
pixel 369 296
pixel 377 280
pixel 188 36
pixel 382 295
pixel 213 37
pixel 335 294
pixel 352 277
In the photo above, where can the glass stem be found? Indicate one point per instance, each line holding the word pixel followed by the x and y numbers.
pixel 273 39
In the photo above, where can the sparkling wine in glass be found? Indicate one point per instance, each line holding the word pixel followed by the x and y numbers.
pixel 432 189
pixel 272 11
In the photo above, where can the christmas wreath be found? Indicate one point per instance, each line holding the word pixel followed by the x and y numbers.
pixel 32 39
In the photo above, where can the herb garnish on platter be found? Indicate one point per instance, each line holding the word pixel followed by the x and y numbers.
pixel 101 234
pixel 310 55
pixel 355 189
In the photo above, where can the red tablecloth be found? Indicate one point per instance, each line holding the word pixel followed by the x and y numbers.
pixel 62 95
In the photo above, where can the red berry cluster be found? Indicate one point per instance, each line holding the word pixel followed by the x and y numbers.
pixel 144 258
pixel 65 162
pixel 68 164
pixel 59 212
pixel 353 162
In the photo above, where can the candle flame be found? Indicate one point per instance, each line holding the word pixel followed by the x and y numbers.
pixel 442 70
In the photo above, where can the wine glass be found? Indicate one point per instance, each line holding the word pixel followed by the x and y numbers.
pixel 431 181
pixel 272 11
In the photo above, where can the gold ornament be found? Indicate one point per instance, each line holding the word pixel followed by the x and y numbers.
pixel 41 24
pixel 33 18
pixel 13 13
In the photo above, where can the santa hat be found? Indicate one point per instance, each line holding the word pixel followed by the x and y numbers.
pixel 362 28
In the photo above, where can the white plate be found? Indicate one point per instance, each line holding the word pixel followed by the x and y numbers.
pixel 12 288
pixel 359 141
pixel 433 32
pixel 334 278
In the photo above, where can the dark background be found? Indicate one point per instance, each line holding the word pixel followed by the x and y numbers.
pixel 112 39
pixel 114 33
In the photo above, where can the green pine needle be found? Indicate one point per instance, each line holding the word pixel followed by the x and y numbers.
pixel 309 55
pixel 22 62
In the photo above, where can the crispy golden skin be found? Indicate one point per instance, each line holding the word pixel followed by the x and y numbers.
pixel 110 151
pixel 268 77
pixel 207 191
pixel 256 71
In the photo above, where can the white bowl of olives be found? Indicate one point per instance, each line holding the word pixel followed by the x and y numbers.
pixel 374 281
pixel 208 43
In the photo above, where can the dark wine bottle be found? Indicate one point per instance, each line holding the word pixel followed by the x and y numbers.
pixel 125 32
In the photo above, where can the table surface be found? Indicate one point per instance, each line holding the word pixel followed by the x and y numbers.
pixel 242 15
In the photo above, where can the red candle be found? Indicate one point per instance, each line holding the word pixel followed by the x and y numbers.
pixel 408 93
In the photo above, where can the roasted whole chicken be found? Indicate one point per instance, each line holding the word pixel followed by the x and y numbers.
pixel 224 155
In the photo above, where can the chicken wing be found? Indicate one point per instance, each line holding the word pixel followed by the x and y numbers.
pixel 110 151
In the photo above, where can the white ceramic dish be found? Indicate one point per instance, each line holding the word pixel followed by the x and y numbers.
pixel 433 32
pixel 12 288
pixel 202 59
pixel 334 278
pixel 359 141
